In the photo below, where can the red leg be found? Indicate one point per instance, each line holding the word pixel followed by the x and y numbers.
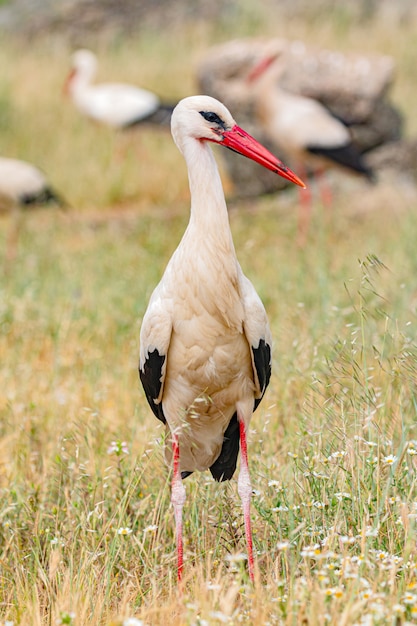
pixel 245 492
pixel 177 499
pixel 325 189
pixel 304 215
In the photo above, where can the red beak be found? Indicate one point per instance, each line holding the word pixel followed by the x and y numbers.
pixel 261 67
pixel 240 141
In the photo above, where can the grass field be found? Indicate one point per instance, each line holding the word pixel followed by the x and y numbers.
pixel 86 527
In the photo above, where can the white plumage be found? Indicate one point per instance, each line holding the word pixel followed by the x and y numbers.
pixel 23 184
pixel 205 343
pixel 114 104
pixel 303 127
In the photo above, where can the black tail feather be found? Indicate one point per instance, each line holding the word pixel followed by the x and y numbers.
pixel 46 196
pixel 225 465
pixel 160 117
pixel 348 156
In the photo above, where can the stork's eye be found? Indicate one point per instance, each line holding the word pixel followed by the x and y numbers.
pixel 213 118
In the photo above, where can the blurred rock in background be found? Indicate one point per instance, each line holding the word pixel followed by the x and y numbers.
pixel 353 87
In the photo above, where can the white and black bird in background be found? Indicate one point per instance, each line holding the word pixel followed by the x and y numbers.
pixel 119 105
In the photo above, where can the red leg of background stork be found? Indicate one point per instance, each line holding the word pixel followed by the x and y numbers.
pixel 177 499
pixel 244 488
pixel 325 189
pixel 304 215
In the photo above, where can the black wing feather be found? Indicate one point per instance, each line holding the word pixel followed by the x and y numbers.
pixel 160 117
pixel 225 465
pixel 347 155
pixel 150 377
pixel 262 360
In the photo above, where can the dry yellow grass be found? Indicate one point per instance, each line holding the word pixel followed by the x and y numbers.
pixel 86 530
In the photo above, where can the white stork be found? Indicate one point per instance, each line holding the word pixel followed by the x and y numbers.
pixel 305 130
pixel 118 105
pixel 205 342
pixel 302 126
pixel 24 185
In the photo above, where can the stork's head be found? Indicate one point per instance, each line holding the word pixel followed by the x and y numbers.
pixel 84 61
pixel 206 119
pixel 84 66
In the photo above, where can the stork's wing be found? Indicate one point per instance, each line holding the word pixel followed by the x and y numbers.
pixel 258 334
pixel 259 337
pixel 155 336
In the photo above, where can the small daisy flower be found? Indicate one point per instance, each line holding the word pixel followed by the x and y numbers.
pixel 311 551
pixel 124 531
pixel 338 454
pixel 293 455
pixel 283 545
pixel 347 540
pixel 342 495
pixel 366 594
pixel 389 460
pixel 334 592
pixel 150 529
pixel 274 483
pixel 409 598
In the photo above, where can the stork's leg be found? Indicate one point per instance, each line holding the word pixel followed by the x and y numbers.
pixel 304 215
pixel 325 189
pixel 244 488
pixel 177 499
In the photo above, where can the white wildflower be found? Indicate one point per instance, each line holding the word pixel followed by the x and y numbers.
pixel 236 558
pixel 220 616
pixel 152 528
pixel 133 621
pixel 281 507
pixel 124 531
pixel 390 459
pixel 342 495
pixel 274 483
pixel 338 454
pixel 347 540
pixel 118 447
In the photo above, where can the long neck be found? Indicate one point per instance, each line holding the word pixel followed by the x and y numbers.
pixel 81 82
pixel 209 215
